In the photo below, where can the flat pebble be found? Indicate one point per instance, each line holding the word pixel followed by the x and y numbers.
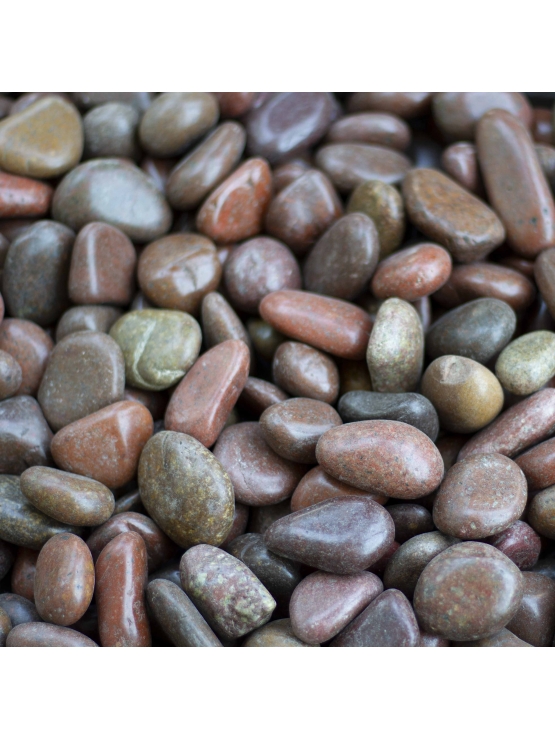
pixel 302 370
pixel 527 363
pixel 384 205
pixel 25 437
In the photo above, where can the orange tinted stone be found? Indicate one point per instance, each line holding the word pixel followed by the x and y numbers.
pixel 21 197
pixel 412 273
pixel 318 486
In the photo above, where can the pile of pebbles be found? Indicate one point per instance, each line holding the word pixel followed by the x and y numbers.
pixel 277 369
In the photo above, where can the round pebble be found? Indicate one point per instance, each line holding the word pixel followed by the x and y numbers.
pixel 304 371
pixel 412 273
pixel 384 205
pixel 527 363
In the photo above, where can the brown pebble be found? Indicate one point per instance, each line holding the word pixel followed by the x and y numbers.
pixel 264 337
pixel 30 346
pixel 458 113
pixel 23 573
pixel 544 274
pixel 519 543
pixel 318 486
pixel 384 205
pixel 541 513
pixel 46 635
pixel 258 395
pixel 538 465
pixel 286 173
pixel 410 520
pixel 302 370
pixel 460 161
pixel 5 627
pixel 87 318
pixel 383 129
pixel 10 375
pixel 220 322
pixel 404 104
pixel 21 197
pixel 349 165
pixel 412 273
pixel 25 436
pixel 278 633
pixel 534 621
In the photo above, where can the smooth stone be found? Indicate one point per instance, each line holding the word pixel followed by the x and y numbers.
pixel 427 640
pixel 527 363
pixel 86 100
pixel 7 559
pixel 159 548
pixel 204 399
pixel 285 174
pixel 240 522
pixel 258 395
pixel 106 445
pixel 220 322
pixel 22 580
pixel 159 171
pixel 349 165
pixel 412 273
pixel 410 520
pixel 302 370
pixel 85 373
pixel 278 633
pixel 175 120
pixel 265 339
pixel 226 592
pixel 383 129
pixel 503 638
pixel 34 280
pixel 519 427
pixel 384 205
pixel 538 465
pixel 534 621
pixel 388 621
pixel 317 486
pixel 256 268
pixel 20 522
pixel 168 572
pixel 179 618
pixel 409 560
pixel 87 318
pixel 5 627
pixel 506 154
pixel 541 513
pixel 116 192
pixel 344 258
pixel 477 330
pixel 204 168
pixel 544 274
pixel 21 197
pixel 111 131
pixel 177 271
pixel 19 609
pixel 466 395
pixel 292 428
pixel 158 346
pixel 44 140
pixel 262 517
pixel 129 502
pixel 121 579
pixel 289 122
pixel 10 375
pixel 236 209
pixel 66 497
pixel 235 104
pixel 410 408
pixel 64 580
pixel 468 592
pixel 386 457
pixel 328 324
pixel 102 266
pixel 519 543
pixel 324 603
pixel 448 214
pixel 480 496
pixel 353 376
pixel 395 353
pixel 342 535
pixel 460 161
pixel 404 104
pixel 46 635
pixel 185 489
pixel 25 437
pixel 303 210
pixel 458 113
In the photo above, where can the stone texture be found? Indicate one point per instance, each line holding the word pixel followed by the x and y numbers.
pixel 21 197
pixel 534 621
pixel 412 273
pixel 25 436
pixel 317 486
pixel 349 165
pixel 404 104
pixel 519 543
pixel 384 205
pixel 278 633
pixel 258 395
pixel 409 560
pixel 220 322
pixel 383 129
pixel 10 375
pixel 47 635
pixel 541 513
pixel 538 465
pixel 22 580
pixel 86 100
pixel 458 113
pixel 503 638
pixel 285 174
pixel 235 104
pixel 87 318
pixel 19 609
pixel 460 161
pixel 527 363
pixel 410 408
pixel 410 520
pixel 111 131
pixel 302 370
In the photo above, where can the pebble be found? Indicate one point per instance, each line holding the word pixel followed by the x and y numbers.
pixel 21 197
pixel 46 635
pixel 503 638
pixel 317 486
pixel 468 592
pixel 427 640
pixel 412 273
pixel 87 318
pixel 478 330
pixel 544 274
pixel 302 370
pixel 177 271
pixel 404 104
pixel 19 609
pixel 466 395
pixel 220 322
pixel 303 210
pixel 278 633
pixel 458 113
pixel 235 104
pixel 225 591
pixel 25 436
pixel 236 209
pixel 448 214
pixel 349 165
pixel 519 543
pixel 265 339
pixel 410 520
pixel 64 580
pixel 383 129
pixel 527 363
pixel 410 408
pixel 121 579
pixel 258 395
pixel 185 489
pixel 388 621
pixel 139 100
pixel 395 353
pixel 285 174
pixel 256 268
pixel 538 465
pixel 534 621
pixel 106 445
pixel 159 346
pixel 384 205
pixel 5 627
pixel 111 131
pixel 506 154
pixel 342 535
pixel 541 513
pixel 66 497
pixel 115 192
pixel 460 161
pixel 262 517
pixel 23 573
pixel 44 140
pixel 204 399
pixel 10 375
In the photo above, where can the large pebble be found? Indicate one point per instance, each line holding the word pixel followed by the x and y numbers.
pixel 40 634
pixel 304 371
pixel 383 129
pixel 519 543
pixel 527 363
pixel 30 346
pixel 384 205
pixel 317 486
pixel 412 273
pixel 410 520
pixel 25 437
pixel 349 165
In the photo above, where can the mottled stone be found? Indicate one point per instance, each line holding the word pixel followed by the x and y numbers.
pixel 46 635
pixel 460 161
pixel 541 513
pixel 410 520
pixel 457 113
pixel 519 543
pixel 22 580
pixel 469 591
pixel 302 370
pixel 404 104
pixel 412 273
pixel 258 395
pixel 387 457
pixel 383 129
pixel 534 622
pixel 317 486
pixel 10 375
pixel 21 197
pixel 25 436
pixel 395 353
pixel 527 363
pixel 87 318
pixel 384 205
pixel 111 131
pixel 538 465
pixel 349 165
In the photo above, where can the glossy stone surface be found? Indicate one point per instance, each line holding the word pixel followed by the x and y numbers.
pixel 19 609
pixel 412 273
pixel 342 535
pixel 286 173
pixel 384 205
pixel 105 445
pixel 460 161
pixel 265 338
pixel 225 591
pixel 404 104
pixel 388 621
pixel 324 603
pixel 477 330
pixel 203 400
pixel 10 375
pixel 30 346
pixel 386 457
pixel 527 363
pixel 329 324
pixel 538 465
pixel 534 621
pixel 220 322
pixel 111 131
pixel 448 214
pixel 121 579
pixel 458 113
pixel 506 154
pixel 116 192
pixel 541 513
pixel 278 633
pixel 519 543
pixel 349 165
pixel 87 318
pixel 47 635
pixel 468 592
pixel 21 197
pixel 410 408
pixel 86 100
pixel 85 373
pixel 22 581
pixel 383 129
pixel 302 370
pixel 25 436
pixel 185 489
pixel 158 346
pixel 409 560
pixel 317 486
pixel 395 353
pixel 258 395
pixel 410 520
pixel 66 497
pixel 544 274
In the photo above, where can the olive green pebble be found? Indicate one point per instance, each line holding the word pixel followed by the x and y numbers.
pixel 384 205
pixel 527 363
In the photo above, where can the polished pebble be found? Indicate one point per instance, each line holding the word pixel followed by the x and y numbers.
pixel 383 129
pixel 111 131
pixel 25 436
pixel 534 621
pixel 409 560
pixel 22 581
pixel 541 513
pixel 412 273
pixel 384 205
pixel 519 543
pixel 87 318
pixel 410 520
pixel 19 609
pixel 503 638
pixel 538 465
pixel 544 274
pixel 460 161
pixel 458 113
pixel 265 339
pixel 220 322
pixel 404 104
pixel 10 375
pixel 527 363
pixel 302 370
pixel 47 635
pixel 258 395
pixel 317 486
pixel 349 165
pixel 21 197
